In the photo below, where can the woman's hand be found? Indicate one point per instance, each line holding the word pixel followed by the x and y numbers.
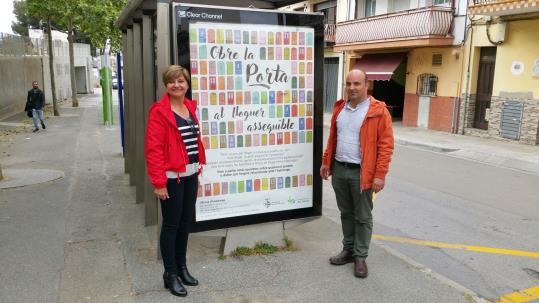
pixel 161 193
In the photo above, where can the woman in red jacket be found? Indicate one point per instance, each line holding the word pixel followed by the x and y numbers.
pixel 174 153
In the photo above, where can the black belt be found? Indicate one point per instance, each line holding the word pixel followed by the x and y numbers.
pixel 349 165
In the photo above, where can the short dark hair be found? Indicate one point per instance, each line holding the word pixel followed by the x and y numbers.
pixel 173 72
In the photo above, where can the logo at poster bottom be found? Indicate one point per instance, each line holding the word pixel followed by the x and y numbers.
pixel 268 203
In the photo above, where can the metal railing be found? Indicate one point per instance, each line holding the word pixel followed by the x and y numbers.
pixel 12 45
pixel 479 2
pixel 423 22
pixel 329 32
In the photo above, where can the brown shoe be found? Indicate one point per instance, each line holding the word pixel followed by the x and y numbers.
pixel 342 258
pixel 360 268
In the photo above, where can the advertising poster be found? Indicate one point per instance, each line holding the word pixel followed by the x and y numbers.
pixel 254 84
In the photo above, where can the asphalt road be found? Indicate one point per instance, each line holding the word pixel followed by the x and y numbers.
pixel 434 197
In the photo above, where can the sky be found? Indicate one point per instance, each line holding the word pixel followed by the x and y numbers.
pixel 6 16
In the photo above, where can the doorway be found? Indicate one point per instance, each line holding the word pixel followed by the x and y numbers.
pixel 485 81
pixel 80 77
pixel 331 79
pixel 392 91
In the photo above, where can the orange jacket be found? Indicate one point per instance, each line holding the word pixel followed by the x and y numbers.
pixel 376 139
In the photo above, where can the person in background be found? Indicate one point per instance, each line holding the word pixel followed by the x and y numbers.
pixel 34 103
pixel 174 155
pixel 357 156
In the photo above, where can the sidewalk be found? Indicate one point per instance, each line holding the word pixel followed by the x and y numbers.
pixel 81 238
pixel 489 151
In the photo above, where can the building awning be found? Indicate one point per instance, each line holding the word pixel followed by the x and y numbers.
pixel 379 66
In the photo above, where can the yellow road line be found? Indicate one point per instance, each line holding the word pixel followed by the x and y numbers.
pixel 521 296
pixel 484 249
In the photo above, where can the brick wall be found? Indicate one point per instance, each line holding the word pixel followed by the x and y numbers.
pixel 467 112
pixel 441 113
pixel 529 131
pixel 530 118
pixel 409 115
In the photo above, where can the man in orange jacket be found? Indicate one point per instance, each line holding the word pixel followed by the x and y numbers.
pixel 357 155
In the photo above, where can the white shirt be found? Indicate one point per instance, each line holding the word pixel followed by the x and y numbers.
pixel 349 123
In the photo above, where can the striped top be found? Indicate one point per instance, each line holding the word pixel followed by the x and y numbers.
pixel 189 131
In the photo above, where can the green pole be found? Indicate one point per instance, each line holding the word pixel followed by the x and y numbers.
pixel 106 89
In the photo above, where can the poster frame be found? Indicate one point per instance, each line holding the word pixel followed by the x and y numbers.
pixel 180 55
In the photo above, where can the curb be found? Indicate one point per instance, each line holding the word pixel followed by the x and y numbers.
pixel 425 146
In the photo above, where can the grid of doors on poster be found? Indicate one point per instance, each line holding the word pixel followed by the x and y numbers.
pixel 220 82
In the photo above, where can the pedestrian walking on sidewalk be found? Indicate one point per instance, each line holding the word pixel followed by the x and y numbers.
pixel 35 101
pixel 174 155
pixel 357 156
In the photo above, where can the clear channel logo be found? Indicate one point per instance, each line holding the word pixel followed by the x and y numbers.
pixel 195 15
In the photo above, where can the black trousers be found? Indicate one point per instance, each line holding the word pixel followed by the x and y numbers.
pixel 178 212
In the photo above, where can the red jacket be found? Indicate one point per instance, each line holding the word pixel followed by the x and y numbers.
pixel 164 147
pixel 376 140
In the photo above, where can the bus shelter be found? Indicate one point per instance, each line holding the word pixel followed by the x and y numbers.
pixel 256 74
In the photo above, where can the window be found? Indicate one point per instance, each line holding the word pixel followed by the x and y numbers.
pixel 442 2
pixel 58 69
pixel 436 59
pixel 370 8
pixel 426 84
pixel 329 9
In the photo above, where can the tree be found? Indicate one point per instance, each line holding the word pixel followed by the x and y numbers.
pixel 94 18
pixel 98 22
pixel 47 10
pixel 71 12
pixel 24 20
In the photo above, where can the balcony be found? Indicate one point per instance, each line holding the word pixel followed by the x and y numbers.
pixel 430 26
pixel 503 7
pixel 329 33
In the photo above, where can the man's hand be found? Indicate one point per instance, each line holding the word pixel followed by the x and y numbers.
pixel 377 185
pixel 325 172
pixel 161 193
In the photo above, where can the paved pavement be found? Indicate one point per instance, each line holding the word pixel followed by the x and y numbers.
pixel 81 238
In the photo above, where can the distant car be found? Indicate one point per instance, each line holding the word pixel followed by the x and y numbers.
pixel 114 83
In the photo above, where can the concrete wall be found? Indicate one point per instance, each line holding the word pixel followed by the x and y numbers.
pixel 18 70
pixel 441 107
pixel 61 70
pixel 16 76
pixel 449 73
pixel 83 59
pixel 521 45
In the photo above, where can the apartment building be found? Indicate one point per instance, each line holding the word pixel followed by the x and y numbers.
pixel 411 51
pixel 501 91
pixel 333 60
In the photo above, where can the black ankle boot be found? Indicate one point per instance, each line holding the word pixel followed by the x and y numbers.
pixel 173 284
pixel 186 277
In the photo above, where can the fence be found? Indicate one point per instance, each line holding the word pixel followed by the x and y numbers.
pixel 11 45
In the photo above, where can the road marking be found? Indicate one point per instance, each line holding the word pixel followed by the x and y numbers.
pixel 521 296
pixel 484 249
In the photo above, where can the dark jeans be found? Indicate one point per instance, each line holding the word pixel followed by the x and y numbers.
pixel 178 212
pixel 355 206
